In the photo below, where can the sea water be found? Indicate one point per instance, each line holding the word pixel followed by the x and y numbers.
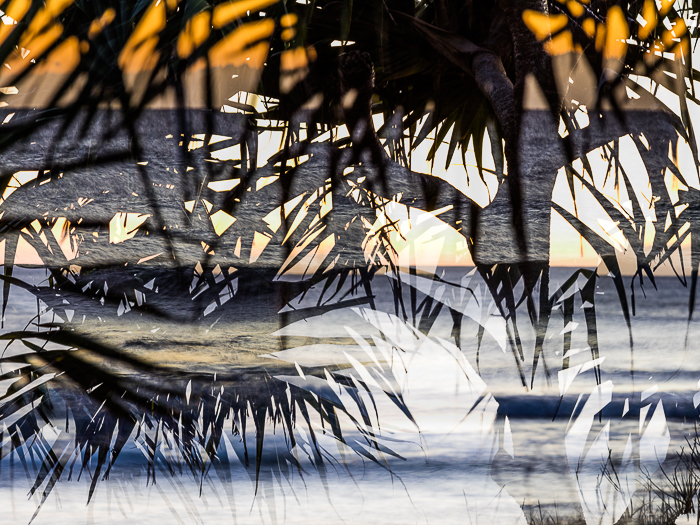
pixel 480 447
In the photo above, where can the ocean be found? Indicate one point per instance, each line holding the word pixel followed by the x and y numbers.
pixel 400 425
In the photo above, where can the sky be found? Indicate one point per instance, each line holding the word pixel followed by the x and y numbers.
pixel 426 230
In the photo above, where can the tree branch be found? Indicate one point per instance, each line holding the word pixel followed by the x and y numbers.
pixel 482 64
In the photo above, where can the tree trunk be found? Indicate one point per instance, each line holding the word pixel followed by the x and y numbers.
pixel 514 228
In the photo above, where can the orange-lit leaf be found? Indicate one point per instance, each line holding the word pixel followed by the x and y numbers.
pixel 575 8
pixel 37 46
pixel 64 59
pixel 589 27
pixel 16 10
pixel 678 31
pixel 230 11
pixel 312 53
pixel 561 44
pixel 293 59
pixel 666 6
pixel 650 17
pixel 139 51
pixel 289 20
pixel 44 18
pixel 617 35
pixel 99 24
pixel 195 33
pixel 543 25
pixel 234 50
